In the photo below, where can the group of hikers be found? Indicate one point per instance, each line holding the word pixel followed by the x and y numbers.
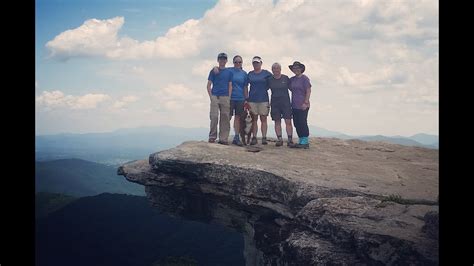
pixel 230 95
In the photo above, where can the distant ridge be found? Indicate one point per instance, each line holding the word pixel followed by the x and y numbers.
pixel 79 178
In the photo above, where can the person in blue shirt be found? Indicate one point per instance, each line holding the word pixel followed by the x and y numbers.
pixel 219 88
pixel 258 98
pixel 239 94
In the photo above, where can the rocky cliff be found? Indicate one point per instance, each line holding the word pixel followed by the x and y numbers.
pixel 341 202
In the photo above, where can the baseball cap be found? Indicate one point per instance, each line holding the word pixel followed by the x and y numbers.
pixel 257 59
pixel 222 55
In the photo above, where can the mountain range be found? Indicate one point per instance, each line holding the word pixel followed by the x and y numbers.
pixel 77 177
pixel 122 145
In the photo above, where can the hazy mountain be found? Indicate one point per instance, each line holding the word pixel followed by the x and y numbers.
pixel 77 177
pixel 127 144
pixel 426 139
pixel 394 140
pixel 46 203
pixel 321 132
pixel 124 230
pixel 115 147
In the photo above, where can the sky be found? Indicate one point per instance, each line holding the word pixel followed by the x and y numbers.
pixel 102 65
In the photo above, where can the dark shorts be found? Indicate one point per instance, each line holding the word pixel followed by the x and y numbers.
pixel 281 108
pixel 237 106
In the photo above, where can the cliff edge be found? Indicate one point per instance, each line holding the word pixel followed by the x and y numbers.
pixel 340 202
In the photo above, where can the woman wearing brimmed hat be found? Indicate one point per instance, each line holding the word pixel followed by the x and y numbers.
pixel 300 87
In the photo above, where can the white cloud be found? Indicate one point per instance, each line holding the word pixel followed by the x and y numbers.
pixel 100 38
pixel 94 38
pixel 177 96
pixel 350 48
pixel 121 103
pixel 57 99
pixel 202 68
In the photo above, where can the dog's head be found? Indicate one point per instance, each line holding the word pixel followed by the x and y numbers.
pixel 248 117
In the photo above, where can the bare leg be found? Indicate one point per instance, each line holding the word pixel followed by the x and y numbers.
pixel 254 125
pixel 289 127
pixel 278 127
pixel 263 120
pixel 237 124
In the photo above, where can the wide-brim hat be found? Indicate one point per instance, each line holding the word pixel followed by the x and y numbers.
pixel 297 64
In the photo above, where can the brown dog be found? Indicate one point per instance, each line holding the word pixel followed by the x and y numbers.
pixel 246 127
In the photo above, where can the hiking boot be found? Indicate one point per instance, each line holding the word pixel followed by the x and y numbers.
pixel 253 141
pixel 300 146
pixel 223 142
pixel 237 142
pixel 212 140
pixel 279 143
pixel 264 141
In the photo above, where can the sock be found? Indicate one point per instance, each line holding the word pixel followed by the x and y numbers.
pixel 279 137
pixel 304 140
pixel 290 138
pixel 236 137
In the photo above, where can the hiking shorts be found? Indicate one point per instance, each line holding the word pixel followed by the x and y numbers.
pixel 281 108
pixel 236 107
pixel 262 108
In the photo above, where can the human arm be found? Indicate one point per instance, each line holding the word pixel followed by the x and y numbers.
pixel 230 88
pixel 209 88
pixel 306 103
pixel 246 92
pixel 215 69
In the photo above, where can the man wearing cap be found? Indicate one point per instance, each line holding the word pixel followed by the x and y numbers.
pixel 300 87
pixel 219 95
pixel 258 98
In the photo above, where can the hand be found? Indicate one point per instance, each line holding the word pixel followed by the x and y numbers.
pixel 246 106
pixel 305 105
pixel 215 70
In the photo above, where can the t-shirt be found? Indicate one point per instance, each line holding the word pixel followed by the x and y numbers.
pixel 258 86
pixel 298 87
pixel 239 81
pixel 279 87
pixel 220 82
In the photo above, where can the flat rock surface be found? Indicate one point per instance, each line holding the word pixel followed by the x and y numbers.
pixel 368 167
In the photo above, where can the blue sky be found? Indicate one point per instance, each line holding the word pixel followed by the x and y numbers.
pixel 104 65
pixel 145 20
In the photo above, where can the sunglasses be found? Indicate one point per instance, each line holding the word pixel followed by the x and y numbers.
pixel 237 62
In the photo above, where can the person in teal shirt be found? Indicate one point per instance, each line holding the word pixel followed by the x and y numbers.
pixel 239 94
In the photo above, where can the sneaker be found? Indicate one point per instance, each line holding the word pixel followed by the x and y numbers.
pixel 290 143
pixel 279 143
pixel 264 141
pixel 237 142
pixel 253 141
pixel 211 140
pixel 223 142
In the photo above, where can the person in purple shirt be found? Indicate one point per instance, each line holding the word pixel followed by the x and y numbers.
pixel 219 88
pixel 300 88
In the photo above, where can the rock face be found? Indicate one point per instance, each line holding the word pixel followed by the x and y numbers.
pixel 341 202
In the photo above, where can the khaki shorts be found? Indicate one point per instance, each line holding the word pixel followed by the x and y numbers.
pixel 262 108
